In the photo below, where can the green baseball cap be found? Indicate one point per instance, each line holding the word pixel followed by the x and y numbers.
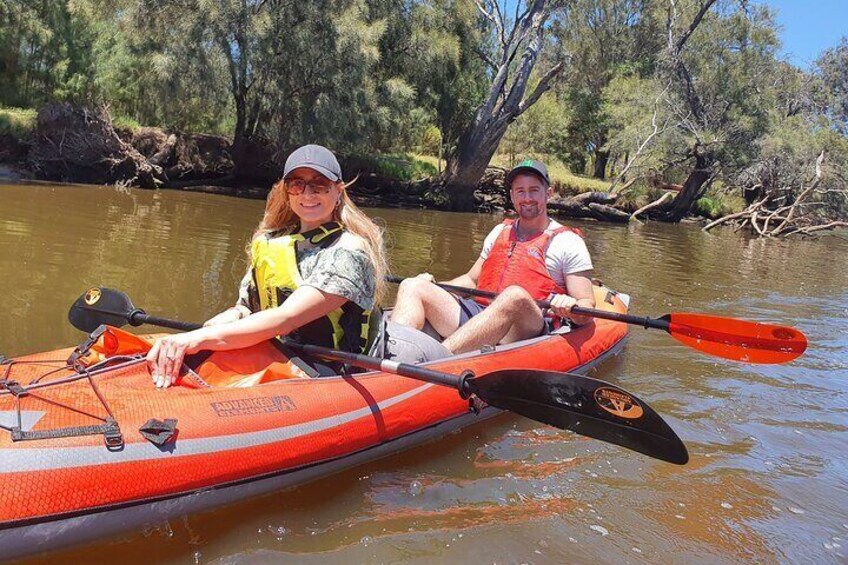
pixel 528 166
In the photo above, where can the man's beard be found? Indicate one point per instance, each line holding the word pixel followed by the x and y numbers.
pixel 529 212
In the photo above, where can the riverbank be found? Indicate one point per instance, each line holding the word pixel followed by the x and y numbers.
pixel 64 143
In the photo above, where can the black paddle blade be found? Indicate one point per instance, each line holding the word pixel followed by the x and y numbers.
pixel 583 405
pixel 100 305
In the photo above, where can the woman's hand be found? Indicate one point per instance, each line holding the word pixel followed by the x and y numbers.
pixel 166 356
pixel 225 317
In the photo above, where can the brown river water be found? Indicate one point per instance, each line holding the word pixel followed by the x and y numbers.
pixel 768 476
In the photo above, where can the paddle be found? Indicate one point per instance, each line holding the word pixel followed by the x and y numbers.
pixel 730 338
pixel 584 405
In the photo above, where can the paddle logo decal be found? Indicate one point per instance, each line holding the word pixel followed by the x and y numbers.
pixel 92 296
pixel 618 403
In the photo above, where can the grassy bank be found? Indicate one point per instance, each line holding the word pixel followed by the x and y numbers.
pixel 17 122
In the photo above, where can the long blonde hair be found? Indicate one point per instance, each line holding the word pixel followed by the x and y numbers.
pixel 280 218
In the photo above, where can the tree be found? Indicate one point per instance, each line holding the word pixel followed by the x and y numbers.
pixel 832 68
pixel 717 75
pixel 601 40
pixel 505 100
pixel 45 53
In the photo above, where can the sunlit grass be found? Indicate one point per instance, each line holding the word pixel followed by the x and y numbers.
pixel 564 181
pixel 123 122
pixel 18 122
pixel 400 166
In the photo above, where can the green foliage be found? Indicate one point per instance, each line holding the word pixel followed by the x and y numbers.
pixel 563 181
pixel 709 207
pixel 17 122
pixel 541 129
pixel 123 122
pixel 430 141
pixel 398 166
pixel 832 68
pixel 45 53
pixel 390 79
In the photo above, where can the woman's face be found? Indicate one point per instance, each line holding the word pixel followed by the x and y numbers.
pixel 313 197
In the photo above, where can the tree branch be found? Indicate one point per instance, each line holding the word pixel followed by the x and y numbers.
pixel 541 88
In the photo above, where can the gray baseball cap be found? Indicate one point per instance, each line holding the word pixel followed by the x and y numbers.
pixel 314 157
pixel 528 166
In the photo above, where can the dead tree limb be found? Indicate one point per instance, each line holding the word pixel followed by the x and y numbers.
pixel 658 202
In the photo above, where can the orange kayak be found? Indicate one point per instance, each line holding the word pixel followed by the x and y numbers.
pixel 88 452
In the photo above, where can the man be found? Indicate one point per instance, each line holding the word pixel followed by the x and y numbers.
pixel 532 258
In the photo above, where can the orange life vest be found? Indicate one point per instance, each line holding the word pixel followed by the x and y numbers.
pixel 512 262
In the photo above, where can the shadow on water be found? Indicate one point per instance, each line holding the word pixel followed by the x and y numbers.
pixel 767 481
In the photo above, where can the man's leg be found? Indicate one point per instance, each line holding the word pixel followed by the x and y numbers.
pixel 512 316
pixel 420 301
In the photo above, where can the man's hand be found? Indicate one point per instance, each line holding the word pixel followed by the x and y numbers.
pixel 561 305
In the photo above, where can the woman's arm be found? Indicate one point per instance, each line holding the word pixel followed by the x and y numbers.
pixel 303 306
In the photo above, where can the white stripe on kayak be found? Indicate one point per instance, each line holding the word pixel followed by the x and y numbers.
pixel 38 459
pixel 29 418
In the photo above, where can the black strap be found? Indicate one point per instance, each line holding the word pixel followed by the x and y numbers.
pixel 324 235
pixel 111 433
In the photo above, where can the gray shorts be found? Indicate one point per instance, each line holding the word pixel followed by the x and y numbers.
pixel 468 308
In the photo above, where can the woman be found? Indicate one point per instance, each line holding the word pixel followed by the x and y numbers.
pixel 317 269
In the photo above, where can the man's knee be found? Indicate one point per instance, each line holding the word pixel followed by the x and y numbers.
pixel 513 298
pixel 413 287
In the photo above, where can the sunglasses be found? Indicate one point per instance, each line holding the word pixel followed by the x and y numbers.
pixel 296 187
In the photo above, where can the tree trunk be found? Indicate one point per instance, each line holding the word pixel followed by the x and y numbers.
pixel 693 189
pixel 505 101
pixel 601 160
pixel 476 148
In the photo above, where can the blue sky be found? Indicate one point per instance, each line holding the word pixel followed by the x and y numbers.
pixel 809 27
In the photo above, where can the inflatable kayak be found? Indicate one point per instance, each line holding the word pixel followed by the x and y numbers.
pixel 89 447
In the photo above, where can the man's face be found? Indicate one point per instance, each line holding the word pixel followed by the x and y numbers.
pixel 529 195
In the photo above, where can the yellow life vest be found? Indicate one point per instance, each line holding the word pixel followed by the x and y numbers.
pixel 276 275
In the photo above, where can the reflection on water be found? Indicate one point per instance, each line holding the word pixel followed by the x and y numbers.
pixel 767 481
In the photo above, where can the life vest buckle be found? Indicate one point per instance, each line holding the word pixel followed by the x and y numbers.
pixel 81 350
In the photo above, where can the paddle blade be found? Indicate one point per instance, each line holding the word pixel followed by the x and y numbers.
pixel 100 305
pixel 739 340
pixel 583 405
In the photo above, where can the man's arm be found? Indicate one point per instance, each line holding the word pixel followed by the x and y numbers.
pixel 580 293
pixel 469 279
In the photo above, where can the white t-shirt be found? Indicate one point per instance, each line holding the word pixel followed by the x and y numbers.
pixel 566 255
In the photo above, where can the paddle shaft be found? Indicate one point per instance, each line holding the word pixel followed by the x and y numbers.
pixel 645 322
pixel 138 317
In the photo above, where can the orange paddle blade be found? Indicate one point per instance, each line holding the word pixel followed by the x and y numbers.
pixel 739 340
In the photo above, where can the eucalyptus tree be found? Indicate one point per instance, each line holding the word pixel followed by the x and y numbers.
pixel 719 59
pixel 512 55
pixel 45 53
pixel 601 40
